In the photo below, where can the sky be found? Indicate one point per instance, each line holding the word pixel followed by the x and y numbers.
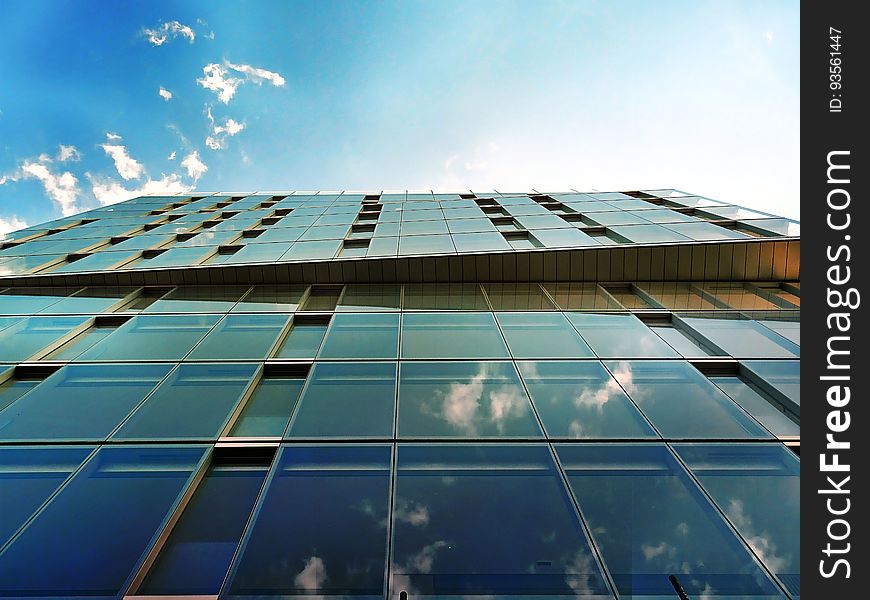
pixel 104 101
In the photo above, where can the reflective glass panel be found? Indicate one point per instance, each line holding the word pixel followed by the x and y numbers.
pixel 487 521
pixel 774 416
pixel 367 336
pixel 89 523
pixel 321 526
pixel 212 298
pixel 742 338
pixel 197 555
pixel 271 298
pixel 620 336
pixel 269 408
pixel 73 348
pixel 14 387
pixel 451 335
pixel 370 297
pixel 650 521
pixel 444 296
pixel 518 296
pixel 581 296
pixel 464 399
pixel 322 298
pixel 29 335
pixel 783 376
pixel 28 476
pixel 80 402
pixel 152 337
pixel 347 400
pixel 580 400
pixel 303 339
pixel 193 403
pixel 682 403
pixel 542 335
pixel 240 337
pixel 758 489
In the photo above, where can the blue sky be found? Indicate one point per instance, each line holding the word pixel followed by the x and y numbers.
pixel 702 96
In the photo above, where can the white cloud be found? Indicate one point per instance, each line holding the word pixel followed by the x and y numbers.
pixel 9 224
pixel 165 94
pixel 68 153
pixel 62 188
pixel 195 167
pixel 168 31
pixel 221 80
pixel 127 166
pixel 312 576
pixel 107 191
pixel 171 156
pixel 219 133
pixel 112 137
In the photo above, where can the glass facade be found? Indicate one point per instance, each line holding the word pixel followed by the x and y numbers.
pixel 461 395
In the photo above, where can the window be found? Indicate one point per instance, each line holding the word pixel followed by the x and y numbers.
pixel 581 296
pixel 73 348
pixel 651 522
pixel 347 400
pixel 31 334
pixel 321 527
pixel 304 337
pixel 518 296
pixel 581 400
pixel 152 337
pixel 80 402
pixel 444 296
pixel 463 399
pixel 241 337
pixel 774 416
pixel 620 336
pixel 14 384
pixel 370 336
pixel 451 335
pixel 491 520
pixel 193 403
pixel 268 410
pixel 322 298
pixel 370 297
pixel 271 298
pixel 191 299
pixel 88 523
pixel 197 555
pixel 742 338
pixel 682 403
pixel 542 335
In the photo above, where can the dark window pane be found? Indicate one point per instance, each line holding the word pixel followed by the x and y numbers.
pixel 758 489
pixel 321 527
pixel 347 400
pixel 774 416
pixel 651 521
pixel 451 335
pixel 682 403
pixel 197 555
pixel 518 296
pixel 271 298
pixel 322 298
pixel 303 339
pixel 28 476
pixel 89 524
pixel 240 337
pixel 194 403
pixel 581 296
pixel 370 297
pixel 582 400
pixel 620 336
pixel 445 296
pixel 80 402
pixel 466 399
pixel 542 335
pixel 152 337
pixel 269 408
pixel 368 336
pixel 473 521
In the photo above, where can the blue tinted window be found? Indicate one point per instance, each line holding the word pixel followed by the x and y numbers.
pixel 85 542
pixel 80 402
pixel 321 527
pixel 368 336
pixel 451 335
pixel 651 521
pixel 152 337
pixel 487 520
pixel 758 488
pixel 193 403
pixel 197 555
pixel 29 335
pixel 28 476
pixel 620 336
pixel 542 335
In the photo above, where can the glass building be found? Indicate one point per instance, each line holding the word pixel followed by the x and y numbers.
pixel 402 395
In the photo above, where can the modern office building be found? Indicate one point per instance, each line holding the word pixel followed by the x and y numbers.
pixel 402 395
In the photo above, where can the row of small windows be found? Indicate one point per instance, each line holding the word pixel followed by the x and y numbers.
pixel 586 399
pixel 761 296
pixel 405 520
